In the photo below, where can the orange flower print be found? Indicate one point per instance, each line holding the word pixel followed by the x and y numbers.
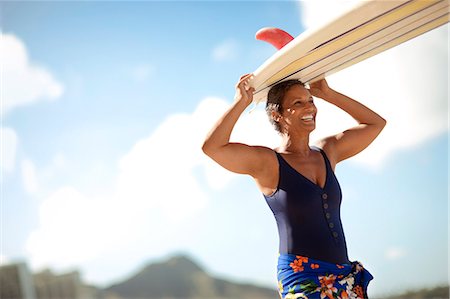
pixel 297 265
pixel 340 266
pixel 344 295
pixel 359 291
pixel 302 258
pixel 314 266
pixel 327 286
pixel 327 281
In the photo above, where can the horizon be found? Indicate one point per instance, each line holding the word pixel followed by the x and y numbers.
pixel 180 255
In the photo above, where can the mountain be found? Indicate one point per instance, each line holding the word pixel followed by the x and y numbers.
pixel 180 277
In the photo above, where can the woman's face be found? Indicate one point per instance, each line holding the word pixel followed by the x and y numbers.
pixel 298 109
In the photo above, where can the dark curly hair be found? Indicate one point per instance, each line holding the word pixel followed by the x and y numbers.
pixel 275 98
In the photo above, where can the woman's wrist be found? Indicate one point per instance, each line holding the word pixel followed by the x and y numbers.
pixel 242 103
pixel 331 95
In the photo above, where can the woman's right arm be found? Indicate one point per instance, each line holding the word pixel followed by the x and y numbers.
pixel 236 157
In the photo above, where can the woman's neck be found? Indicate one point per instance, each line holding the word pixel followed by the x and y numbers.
pixel 295 144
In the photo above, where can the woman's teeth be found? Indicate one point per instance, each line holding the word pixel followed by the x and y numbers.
pixel 307 117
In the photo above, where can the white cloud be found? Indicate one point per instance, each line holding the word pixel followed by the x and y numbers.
pixel 407 85
pixel 394 253
pixel 157 171
pixel 73 228
pixel 8 149
pixel 156 193
pixel 19 72
pixel 29 176
pixel 226 51
pixel 317 12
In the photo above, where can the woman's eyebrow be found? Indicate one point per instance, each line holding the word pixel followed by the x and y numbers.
pixel 302 99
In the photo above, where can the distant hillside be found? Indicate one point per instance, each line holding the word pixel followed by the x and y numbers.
pixel 434 293
pixel 180 277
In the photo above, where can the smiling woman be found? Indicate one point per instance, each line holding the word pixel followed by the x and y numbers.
pixel 275 97
pixel 298 182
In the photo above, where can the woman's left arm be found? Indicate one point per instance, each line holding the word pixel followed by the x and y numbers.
pixel 352 141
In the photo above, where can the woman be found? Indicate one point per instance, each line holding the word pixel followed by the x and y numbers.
pixel 299 184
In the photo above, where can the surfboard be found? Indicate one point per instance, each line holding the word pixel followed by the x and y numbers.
pixel 365 30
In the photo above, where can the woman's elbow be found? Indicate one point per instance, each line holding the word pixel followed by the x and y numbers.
pixel 380 124
pixel 206 148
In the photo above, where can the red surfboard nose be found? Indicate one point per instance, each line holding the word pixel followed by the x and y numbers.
pixel 274 36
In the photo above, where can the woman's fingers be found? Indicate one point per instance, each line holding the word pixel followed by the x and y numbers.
pixel 244 81
pixel 243 89
pixel 243 76
pixel 319 89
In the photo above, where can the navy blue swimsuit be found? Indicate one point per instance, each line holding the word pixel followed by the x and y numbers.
pixel 308 216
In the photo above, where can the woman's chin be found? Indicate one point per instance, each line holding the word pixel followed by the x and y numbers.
pixel 310 126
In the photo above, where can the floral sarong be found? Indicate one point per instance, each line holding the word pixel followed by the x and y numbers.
pixel 301 277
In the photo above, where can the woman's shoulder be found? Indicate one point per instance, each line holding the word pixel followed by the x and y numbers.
pixel 268 158
pixel 326 146
pixel 266 152
pixel 264 149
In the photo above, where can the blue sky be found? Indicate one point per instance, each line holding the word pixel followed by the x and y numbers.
pixel 105 105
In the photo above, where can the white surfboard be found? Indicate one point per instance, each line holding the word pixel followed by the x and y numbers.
pixel 362 32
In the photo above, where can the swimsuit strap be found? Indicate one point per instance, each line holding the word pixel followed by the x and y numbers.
pixel 327 162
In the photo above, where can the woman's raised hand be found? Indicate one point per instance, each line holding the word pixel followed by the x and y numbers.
pixel 319 89
pixel 244 93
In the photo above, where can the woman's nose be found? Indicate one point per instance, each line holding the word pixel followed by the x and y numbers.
pixel 310 106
